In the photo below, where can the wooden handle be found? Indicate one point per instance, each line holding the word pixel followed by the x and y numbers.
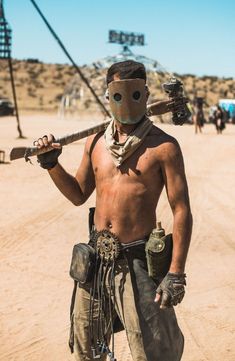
pixel 26 152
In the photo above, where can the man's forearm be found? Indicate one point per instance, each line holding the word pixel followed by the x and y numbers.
pixel 167 105
pixel 157 108
pixel 182 230
pixel 67 184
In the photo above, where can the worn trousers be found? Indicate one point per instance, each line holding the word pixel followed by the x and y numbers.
pixel 153 334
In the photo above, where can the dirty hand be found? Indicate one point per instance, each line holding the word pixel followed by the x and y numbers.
pixel 49 159
pixel 171 290
pixel 177 104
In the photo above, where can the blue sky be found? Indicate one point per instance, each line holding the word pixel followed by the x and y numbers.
pixel 196 37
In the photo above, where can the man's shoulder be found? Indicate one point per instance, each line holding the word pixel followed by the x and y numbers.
pixel 159 132
pixel 162 138
pixel 95 136
pixel 92 140
pixel 165 146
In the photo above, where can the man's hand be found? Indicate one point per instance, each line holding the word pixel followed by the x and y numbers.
pixel 165 106
pixel 48 160
pixel 171 291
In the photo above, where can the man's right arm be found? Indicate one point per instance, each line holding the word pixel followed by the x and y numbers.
pixel 79 188
pixel 167 105
pixel 69 185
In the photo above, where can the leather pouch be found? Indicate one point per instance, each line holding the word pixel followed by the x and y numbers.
pixel 82 263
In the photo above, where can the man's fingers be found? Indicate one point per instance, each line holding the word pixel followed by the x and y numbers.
pixel 157 298
pixel 165 300
pixel 51 138
pixel 39 143
pixel 181 100
pixel 170 106
pixel 177 103
pixel 179 294
pixel 56 145
pixel 47 141
pixel 178 108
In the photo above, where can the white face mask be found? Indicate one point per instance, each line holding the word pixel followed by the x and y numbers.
pixel 127 100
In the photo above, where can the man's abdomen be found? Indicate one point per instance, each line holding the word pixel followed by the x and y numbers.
pixel 128 210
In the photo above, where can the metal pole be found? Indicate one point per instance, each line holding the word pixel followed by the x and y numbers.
pixel 14 97
pixel 71 59
pixel 8 57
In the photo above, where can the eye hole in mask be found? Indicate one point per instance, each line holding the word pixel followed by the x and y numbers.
pixel 117 97
pixel 136 95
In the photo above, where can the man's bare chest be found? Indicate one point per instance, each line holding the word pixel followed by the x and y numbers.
pixel 143 164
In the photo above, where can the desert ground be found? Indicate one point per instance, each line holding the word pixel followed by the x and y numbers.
pixel 38 228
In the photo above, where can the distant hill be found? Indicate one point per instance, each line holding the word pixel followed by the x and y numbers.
pixel 40 86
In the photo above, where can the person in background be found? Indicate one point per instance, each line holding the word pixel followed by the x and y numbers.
pixel 198 114
pixel 219 119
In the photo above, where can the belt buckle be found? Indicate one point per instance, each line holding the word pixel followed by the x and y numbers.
pixel 107 245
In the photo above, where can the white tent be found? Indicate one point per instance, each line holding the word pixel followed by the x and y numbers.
pixel 127 54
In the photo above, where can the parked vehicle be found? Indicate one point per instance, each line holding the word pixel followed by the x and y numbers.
pixel 6 107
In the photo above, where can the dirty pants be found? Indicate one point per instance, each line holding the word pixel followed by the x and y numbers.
pixel 153 334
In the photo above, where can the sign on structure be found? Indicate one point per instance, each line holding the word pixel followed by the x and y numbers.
pixel 126 38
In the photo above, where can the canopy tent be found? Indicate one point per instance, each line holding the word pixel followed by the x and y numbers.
pixel 127 54
pixel 229 106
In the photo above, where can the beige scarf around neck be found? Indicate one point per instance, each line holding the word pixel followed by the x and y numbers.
pixel 121 151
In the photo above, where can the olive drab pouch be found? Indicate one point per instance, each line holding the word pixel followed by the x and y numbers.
pixel 158 251
pixel 83 263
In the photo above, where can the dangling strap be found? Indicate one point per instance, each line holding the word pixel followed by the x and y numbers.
pixel 71 334
pixel 107 251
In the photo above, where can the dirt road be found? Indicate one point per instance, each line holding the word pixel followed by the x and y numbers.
pixel 38 228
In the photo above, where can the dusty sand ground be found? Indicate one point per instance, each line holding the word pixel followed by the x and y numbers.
pixel 38 228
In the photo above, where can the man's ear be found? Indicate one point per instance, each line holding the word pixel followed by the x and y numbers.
pixel 147 92
pixel 106 94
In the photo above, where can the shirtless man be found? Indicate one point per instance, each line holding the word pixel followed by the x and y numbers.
pixel 128 165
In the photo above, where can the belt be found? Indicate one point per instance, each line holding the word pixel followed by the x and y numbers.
pixel 138 242
pixel 108 246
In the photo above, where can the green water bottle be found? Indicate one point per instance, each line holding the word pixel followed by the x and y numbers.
pixel 158 252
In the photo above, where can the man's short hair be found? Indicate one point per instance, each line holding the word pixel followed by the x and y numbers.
pixel 128 69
